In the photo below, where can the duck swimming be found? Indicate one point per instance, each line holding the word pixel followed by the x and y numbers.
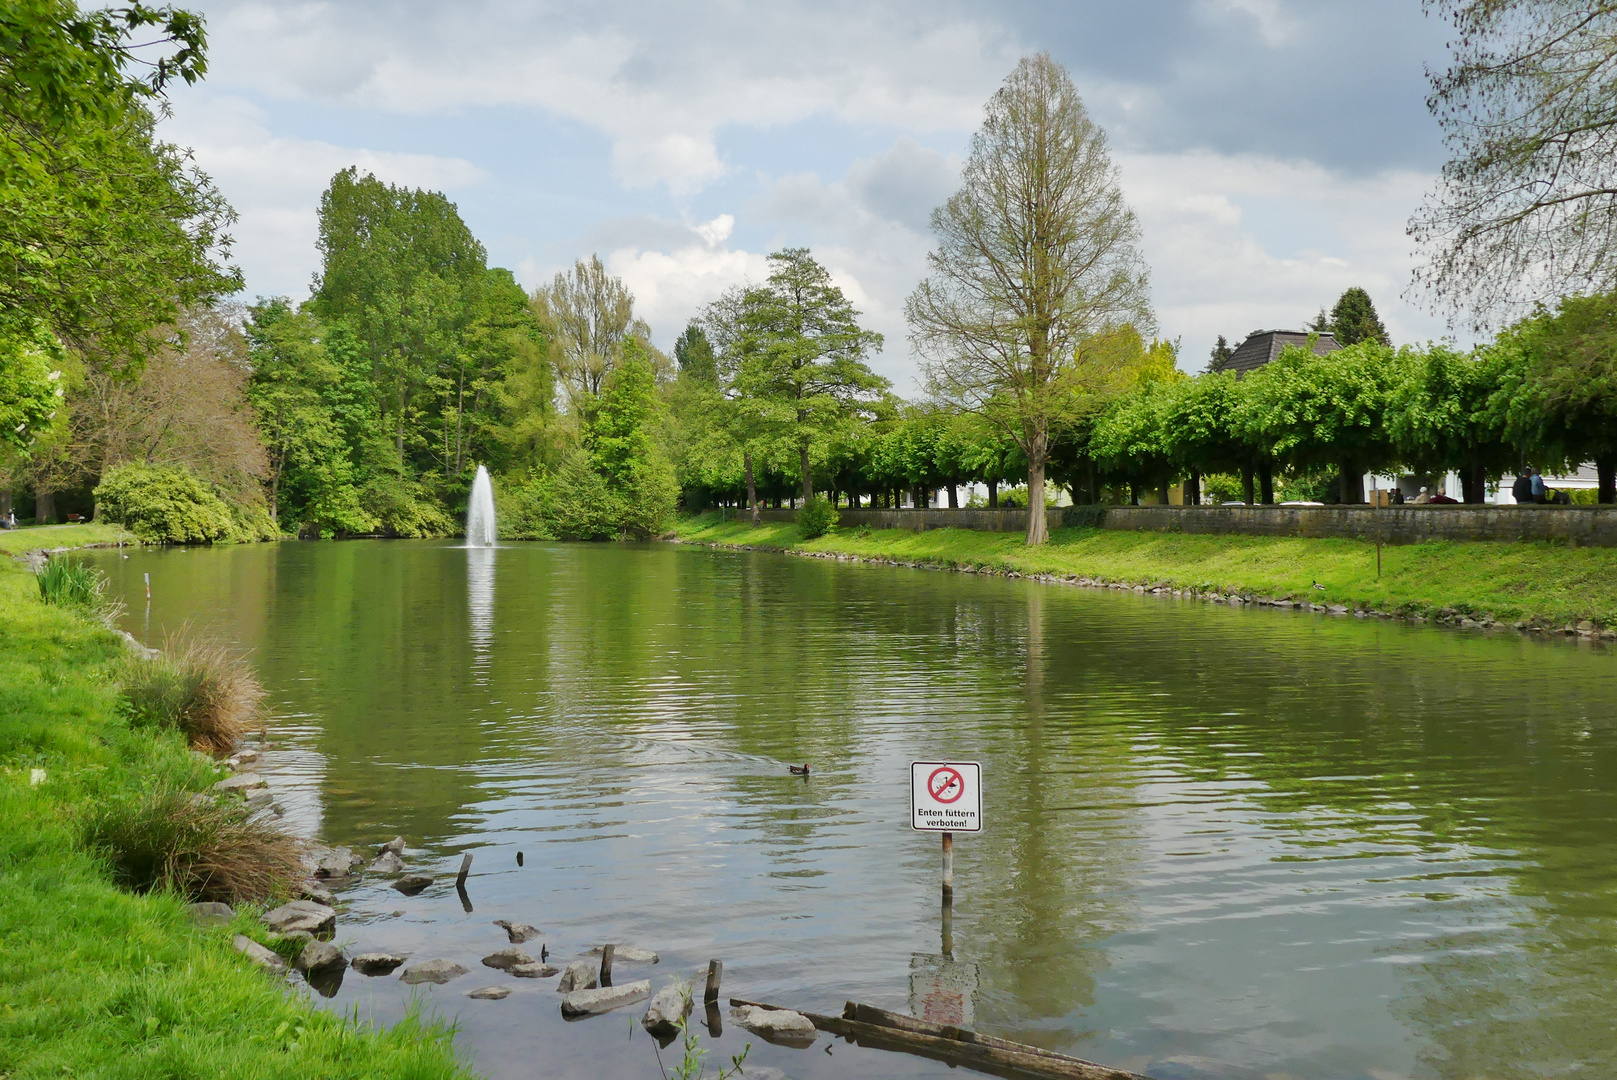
pixel 799 770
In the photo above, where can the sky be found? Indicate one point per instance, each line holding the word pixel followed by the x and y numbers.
pixel 1273 150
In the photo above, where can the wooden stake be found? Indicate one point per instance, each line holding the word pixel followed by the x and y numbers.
pixel 715 970
pixel 1378 559
pixel 606 964
pixel 465 868
pixel 148 578
pixel 948 864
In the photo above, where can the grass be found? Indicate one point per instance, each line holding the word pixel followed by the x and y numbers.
pixel 196 687
pixel 47 537
pixel 1543 583
pixel 97 980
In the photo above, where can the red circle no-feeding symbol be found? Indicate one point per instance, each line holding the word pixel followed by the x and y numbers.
pixel 945 785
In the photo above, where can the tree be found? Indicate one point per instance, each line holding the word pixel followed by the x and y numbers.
pixel 30 387
pixel 1526 209
pixel 1036 254
pixel 694 354
pixel 1566 404
pixel 1221 354
pixel 1448 410
pixel 1354 319
pixel 803 354
pixel 592 315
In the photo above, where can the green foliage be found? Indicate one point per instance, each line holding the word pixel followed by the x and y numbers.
pixel 816 517
pixel 1220 356
pixel 30 384
pixel 1304 409
pixel 1354 319
pixel 694 355
pixel 71 584
pixel 166 504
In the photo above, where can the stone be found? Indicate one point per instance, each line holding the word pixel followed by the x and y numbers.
pixel 671 1004
pixel 311 889
pixel 387 863
pixel 490 993
pixel 338 862
pixel 433 971
pixel 604 999
pixel 244 757
pixel 259 799
pixel 395 845
pixel 518 932
pixel 627 954
pixel 301 915
pixel 300 937
pixel 240 782
pixel 781 1026
pixel 210 913
pixel 537 970
pixel 507 958
pixel 580 975
pixel 318 956
pixel 259 955
pixel 377 963
pixel 410 884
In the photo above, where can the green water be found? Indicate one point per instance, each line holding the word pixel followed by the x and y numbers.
pixel 1219 843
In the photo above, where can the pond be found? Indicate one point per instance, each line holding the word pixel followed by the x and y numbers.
pixel 1219 842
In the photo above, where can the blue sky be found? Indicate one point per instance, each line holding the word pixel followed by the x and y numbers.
pixel 1273 149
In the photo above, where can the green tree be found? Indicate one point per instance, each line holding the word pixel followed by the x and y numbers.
pixel 1221 354
pixel 1566 404
pixel 592 316
pixel 1354 319
pixel 1037 254
pixel 803 355
pixel 1448 410
pixel 694 354
pixel 31 389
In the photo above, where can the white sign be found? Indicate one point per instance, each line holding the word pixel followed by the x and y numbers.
pixel 946 796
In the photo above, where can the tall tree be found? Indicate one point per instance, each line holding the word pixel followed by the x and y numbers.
pixel 1566 405
pixel 803 354
pixel 694 354
pixel 1037 253
pixel 591 314
pixel 1527 206
pixel 1354 319
pixel 1220 356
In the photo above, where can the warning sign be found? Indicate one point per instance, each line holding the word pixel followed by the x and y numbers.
pixel 946 796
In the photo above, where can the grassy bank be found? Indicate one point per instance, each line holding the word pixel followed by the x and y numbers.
pixel 97 981
pixel 47 537
pixel 1546 584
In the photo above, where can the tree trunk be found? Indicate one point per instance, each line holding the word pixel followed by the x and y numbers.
pixel 1162 494
pixel 752 488
pixel 1246 485
pixel 1606 486
pixel 954 498
pixel 993 494
pixel 1134 493
pixel 1193 489
pixel 5 506
pixel 1266 483
pixel 1473 483
pixel 44 507
pixel 808 472
pixel 1038 528
pixel 1352 484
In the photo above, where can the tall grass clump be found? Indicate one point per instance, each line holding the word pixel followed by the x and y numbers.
pixel 167 838
pixel 72 584
pixel 199 688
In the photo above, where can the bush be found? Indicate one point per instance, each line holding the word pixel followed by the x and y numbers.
pixel 816 516
pixel 71 584
pixel 579 502
pixel 168 504
pixel 197 688
pixel 202 847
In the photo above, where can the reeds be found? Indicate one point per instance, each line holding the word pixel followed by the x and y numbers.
pixel 198 687
pixel 202 847
pixel 72 584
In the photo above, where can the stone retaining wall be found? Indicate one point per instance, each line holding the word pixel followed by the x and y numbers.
pixel 1595 526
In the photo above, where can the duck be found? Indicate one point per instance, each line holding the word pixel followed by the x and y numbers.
pixel 799 770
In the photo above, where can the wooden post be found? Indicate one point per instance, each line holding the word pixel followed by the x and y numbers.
pixel 465 868
pixel 948 864
pixel 1378 559
pixel 948 926
pixel 715 970
pixel 148 578
pixel 606 964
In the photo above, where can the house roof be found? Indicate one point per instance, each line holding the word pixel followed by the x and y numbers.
pixel 1262 346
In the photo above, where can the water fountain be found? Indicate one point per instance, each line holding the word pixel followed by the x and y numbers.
pixel 480 531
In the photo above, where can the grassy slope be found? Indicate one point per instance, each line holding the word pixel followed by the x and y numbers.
pixel 95 981
pixel 1510 581
pixel 17 541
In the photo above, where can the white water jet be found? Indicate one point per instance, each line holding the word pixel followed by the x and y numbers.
pixel 480 530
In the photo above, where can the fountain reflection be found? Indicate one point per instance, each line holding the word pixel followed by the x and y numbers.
pixel 480 607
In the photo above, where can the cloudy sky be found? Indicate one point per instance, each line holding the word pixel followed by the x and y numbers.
pixel 1273 149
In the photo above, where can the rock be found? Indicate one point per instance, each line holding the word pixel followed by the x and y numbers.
pixel 580 975
pixel 311 889
pixel 605 999
pixel 339 862
pixel 240 782
pixel 490 993
pixel 781 1026
pixel 257 800
pixel 672 1003
pixel 377 963
pixel 210 913
pixel 518 932
pixel 318 956
pixel 507 958
pixel 387 863
pixel 244 757
pixel 301 915
pixel 433 971
pixel 395 845
pixel 259 955
pixel 301 937
pixel 538 970
pixel 410 884
pixel 627 954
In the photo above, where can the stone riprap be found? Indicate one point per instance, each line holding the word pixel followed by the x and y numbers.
pixel 433 971
pixel 776 1025
pixel 604 999
pixel 518 932
pixel 264 958
pixel 671 1004
pixel 301 915
pixel 507 958
pixel 627 954
pixel 580 975
pixel 377 963
pixel 318 956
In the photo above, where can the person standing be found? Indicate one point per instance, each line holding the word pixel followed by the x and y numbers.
pixel 1522 489
pixel 1538 486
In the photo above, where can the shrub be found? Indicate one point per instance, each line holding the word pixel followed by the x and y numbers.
pixel 202 847
pixel 71 584
pixel 816 516
pixel 197 688
pixel 163 504
pixel 579 502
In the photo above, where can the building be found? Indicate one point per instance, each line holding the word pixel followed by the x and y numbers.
pixel 1262 346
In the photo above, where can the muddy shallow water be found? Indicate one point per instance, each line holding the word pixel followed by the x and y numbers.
pixel 1220 843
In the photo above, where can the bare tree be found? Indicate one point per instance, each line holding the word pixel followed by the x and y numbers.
pixel 1036 258
pixel 592 314
pixel 1526 210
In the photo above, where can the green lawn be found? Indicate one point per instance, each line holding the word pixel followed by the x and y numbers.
pixel 95 981
pixel 17 541
pixel 1550 583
